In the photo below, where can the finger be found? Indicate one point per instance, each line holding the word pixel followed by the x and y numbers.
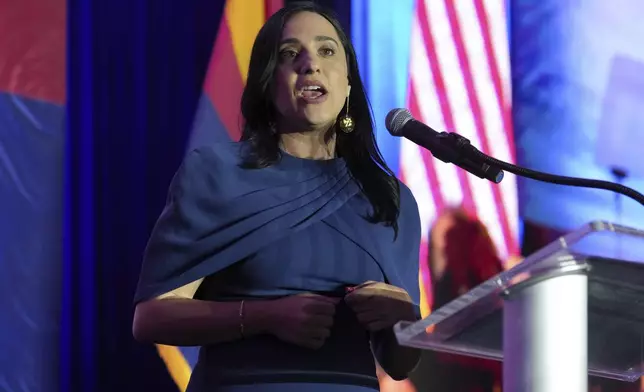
pixel 365 305
pixel 314 338
pixel 369 317
pixel 322 321
pixel 370 290
pixel 309 342
pixel 318 333
pixel 365 284
pixel 357 299
pixel 316 343
pixel 320 308
pixel 360 295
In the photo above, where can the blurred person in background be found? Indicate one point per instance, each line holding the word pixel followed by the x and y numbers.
pixel 461 256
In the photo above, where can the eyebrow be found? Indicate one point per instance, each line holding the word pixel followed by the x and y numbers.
pixel 319 38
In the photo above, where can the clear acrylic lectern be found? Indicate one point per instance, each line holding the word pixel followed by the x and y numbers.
pixel 575 307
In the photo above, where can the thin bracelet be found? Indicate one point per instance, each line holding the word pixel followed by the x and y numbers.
pixel 241 319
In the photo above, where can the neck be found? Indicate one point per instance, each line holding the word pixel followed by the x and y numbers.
pixel 310 145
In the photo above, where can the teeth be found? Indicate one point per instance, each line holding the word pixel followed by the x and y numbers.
pixel 312 88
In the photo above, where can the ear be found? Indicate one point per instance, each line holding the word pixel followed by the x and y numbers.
pixel 348 90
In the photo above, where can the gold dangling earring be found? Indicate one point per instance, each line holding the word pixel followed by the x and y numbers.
pixel 347 125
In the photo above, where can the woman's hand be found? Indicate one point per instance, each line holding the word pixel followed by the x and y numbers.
pixel 379 305
pixel 303 319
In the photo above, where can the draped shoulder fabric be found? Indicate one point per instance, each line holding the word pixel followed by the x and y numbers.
pixel 218 213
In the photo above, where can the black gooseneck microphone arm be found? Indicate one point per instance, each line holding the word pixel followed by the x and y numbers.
pixel 451 147
pixel 468 149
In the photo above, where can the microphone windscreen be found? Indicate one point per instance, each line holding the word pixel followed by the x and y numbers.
pixel 396 119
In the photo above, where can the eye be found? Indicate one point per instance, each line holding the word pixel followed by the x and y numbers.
pixel 327 51
pixel 288 54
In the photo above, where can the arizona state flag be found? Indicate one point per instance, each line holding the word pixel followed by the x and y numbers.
pixel 218 116
pixel 32 152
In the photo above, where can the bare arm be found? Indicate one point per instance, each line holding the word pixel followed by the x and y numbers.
pixel 176 319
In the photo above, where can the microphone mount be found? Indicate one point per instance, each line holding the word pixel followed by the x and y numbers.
pixel 458 150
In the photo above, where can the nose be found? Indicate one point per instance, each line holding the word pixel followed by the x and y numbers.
pixel 309 65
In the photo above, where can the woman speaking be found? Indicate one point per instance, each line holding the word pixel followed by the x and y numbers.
pixel 287 256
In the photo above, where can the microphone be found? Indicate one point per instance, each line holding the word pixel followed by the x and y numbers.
pixel 448 147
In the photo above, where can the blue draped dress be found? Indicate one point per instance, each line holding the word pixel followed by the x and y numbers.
pixel 296 226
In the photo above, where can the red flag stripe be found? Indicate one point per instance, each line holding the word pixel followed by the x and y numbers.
pixel 272 6
pixel 432 179
pixel 497 135
pixel 429 110
pixel 441 93
pixel 223 82
pixel 493 106
pixel 475 107
pixel 496 75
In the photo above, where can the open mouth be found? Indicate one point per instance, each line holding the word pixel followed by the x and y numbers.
pixel 312 92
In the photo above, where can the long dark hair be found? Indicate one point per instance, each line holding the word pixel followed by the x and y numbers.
pixel 358 149
pixel 467 266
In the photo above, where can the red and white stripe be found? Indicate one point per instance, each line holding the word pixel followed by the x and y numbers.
pixel 460 82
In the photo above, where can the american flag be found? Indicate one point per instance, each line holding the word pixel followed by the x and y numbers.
pixel 459 81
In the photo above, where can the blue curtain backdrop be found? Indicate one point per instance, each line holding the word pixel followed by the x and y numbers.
pixel 135 71
pixel 578 89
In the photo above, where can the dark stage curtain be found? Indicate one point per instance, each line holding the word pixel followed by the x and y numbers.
pixel 341 8
pixel 135 71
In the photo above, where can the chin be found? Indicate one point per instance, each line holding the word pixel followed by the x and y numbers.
pixel 318 120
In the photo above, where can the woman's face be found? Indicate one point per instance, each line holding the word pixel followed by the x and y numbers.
pixel 311 79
